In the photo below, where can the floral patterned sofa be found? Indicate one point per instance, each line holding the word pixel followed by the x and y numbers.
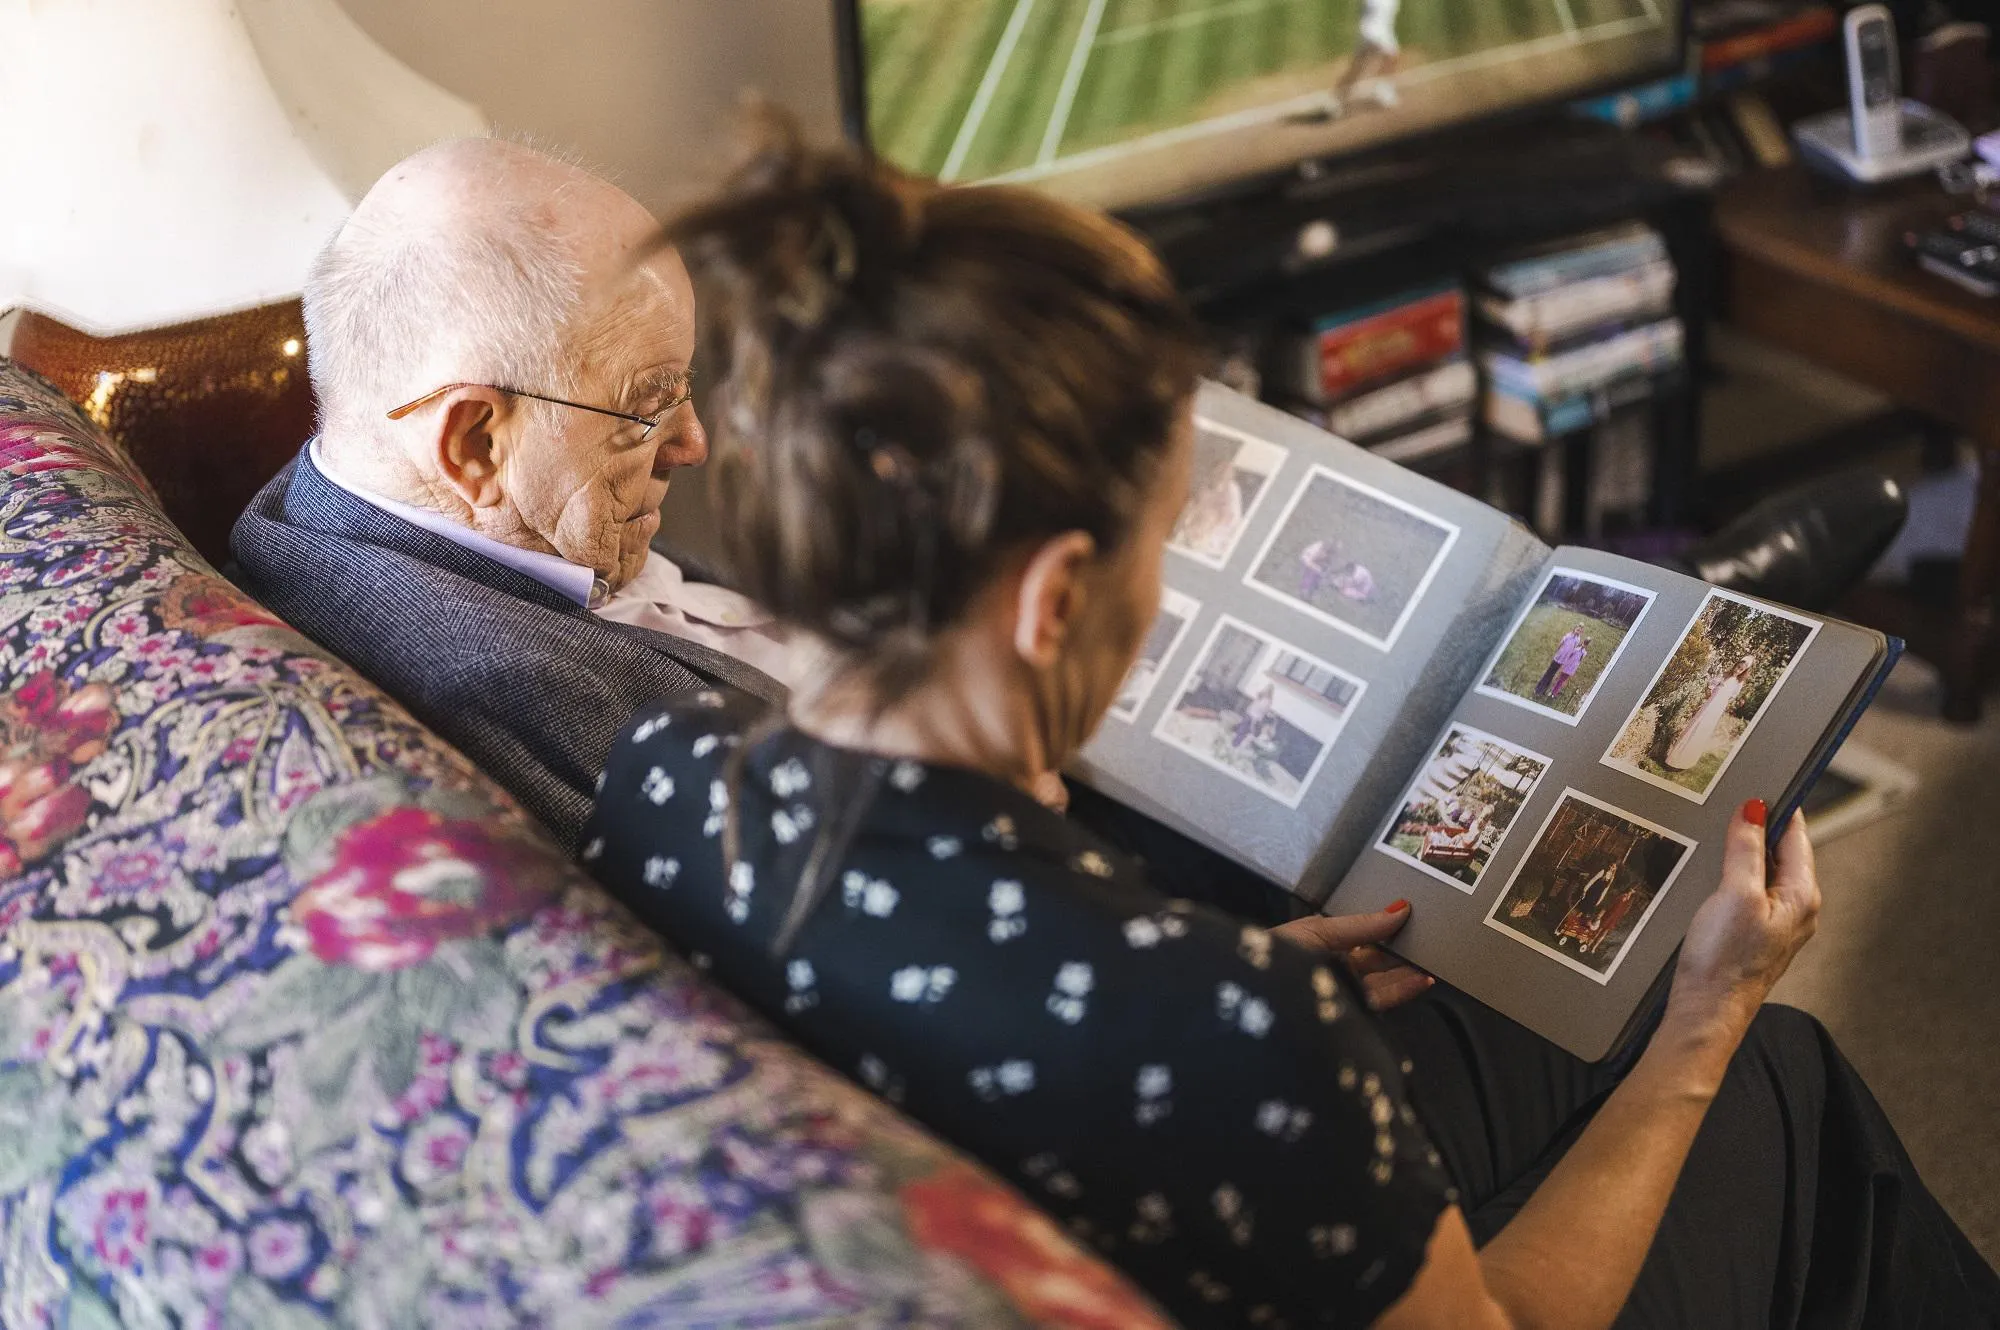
pixel 303 1023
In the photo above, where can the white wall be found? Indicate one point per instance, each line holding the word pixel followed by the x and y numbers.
pixel 647 91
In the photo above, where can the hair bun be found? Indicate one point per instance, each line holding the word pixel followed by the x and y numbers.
pixel 914 382
pixel 808 230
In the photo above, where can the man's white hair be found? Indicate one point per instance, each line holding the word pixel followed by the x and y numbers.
pixel 392 303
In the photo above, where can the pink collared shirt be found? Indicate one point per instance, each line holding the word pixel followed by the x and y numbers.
pixel 659 598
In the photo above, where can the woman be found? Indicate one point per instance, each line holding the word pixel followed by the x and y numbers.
pixel 954 435
pixel 1315 562
pixel 1588 911
pixel 1254 714
pixel 1562 653
pixel 1697 739
pixel 1571 663
pixel 1355 582
pixel 1613 916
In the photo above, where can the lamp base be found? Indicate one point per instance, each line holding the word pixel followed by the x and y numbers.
pixel 209 410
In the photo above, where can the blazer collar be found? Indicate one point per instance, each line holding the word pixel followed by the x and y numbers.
pixel 314 501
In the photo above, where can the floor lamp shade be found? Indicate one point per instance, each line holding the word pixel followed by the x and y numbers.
pixel 168 160
pixel 171 168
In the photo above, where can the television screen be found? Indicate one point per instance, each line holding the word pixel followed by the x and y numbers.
pixel 1127 102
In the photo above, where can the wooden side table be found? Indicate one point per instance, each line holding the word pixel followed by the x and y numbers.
pixel 1822 271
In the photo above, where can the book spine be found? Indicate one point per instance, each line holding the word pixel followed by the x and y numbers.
pixel 1427 441
pixel 1342 318
pixel 1454 383
pixel 1355 354
pixel 1651 346
pixel 1553 315
pixel 1719 81
pixel 1543 349
pixel 1515 417
pixel 1531 419
pixel 1527 277
pixel 1814 25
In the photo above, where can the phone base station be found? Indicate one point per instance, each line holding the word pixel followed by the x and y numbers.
pixel 1930 139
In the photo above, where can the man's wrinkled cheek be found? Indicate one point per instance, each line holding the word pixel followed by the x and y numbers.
pixel 587 530
pixel 638 538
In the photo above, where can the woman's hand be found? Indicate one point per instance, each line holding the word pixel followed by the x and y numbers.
pixel 1745 935
pixel 1388 981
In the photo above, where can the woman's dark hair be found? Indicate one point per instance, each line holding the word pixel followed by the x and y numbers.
pixel 915 381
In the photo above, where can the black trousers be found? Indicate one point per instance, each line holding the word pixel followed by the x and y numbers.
pixel 1548 677
pixel 1797 1207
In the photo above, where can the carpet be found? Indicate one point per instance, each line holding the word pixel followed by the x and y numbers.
pixel 1903 969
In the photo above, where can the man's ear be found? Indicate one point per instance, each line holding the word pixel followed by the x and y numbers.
pixel 1052 596
pixel 468 454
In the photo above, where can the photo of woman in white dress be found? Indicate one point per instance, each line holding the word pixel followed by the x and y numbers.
pixel 1731 661
pixel 1698 737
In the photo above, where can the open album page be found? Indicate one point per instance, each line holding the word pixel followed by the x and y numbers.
pixel 1566 821
pixel 1323 610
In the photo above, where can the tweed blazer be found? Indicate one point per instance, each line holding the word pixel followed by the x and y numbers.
pixel 521 679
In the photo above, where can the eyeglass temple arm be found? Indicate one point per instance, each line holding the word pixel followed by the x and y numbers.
pixel 429 397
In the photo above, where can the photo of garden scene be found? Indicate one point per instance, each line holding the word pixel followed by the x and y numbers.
pixel 1353 557
pixel 1462 805
pixel 1566 642
pixel 1693 719
pixel 1260 711
pixel 1585 889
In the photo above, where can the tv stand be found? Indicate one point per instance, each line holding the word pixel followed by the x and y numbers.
pixel 1333 236
pixel 1486 192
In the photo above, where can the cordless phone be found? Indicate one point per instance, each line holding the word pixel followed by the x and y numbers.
pixel 1874 91
pixel 1878 135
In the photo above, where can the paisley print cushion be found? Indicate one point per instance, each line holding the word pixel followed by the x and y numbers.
pixel 303 1022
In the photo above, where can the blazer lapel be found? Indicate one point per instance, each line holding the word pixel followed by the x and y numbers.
pixel 704 659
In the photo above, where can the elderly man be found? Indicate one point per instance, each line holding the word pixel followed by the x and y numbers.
pixel 501 360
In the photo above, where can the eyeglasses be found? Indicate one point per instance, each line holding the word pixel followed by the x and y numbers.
pixel 681 398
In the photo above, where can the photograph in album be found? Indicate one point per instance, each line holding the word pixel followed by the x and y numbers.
pixel 1231 472
pixel 1565 644
pixel 1258 710
pixel 1177 611
pixel 1463 804
pixel 1353 557
pixel 1710 694
pixel 1586 889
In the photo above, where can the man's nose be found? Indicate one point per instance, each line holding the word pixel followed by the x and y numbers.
pixel 686 443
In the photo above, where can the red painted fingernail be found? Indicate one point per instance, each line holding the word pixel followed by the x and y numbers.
pixel 1396 907
pixel 1754 812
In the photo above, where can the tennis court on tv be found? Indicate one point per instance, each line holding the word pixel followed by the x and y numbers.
pixel 1031 89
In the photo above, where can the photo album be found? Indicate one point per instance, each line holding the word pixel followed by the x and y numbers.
pixel 1366 686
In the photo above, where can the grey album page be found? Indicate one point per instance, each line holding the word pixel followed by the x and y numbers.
pixel 1565 822
pixel 1324 610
